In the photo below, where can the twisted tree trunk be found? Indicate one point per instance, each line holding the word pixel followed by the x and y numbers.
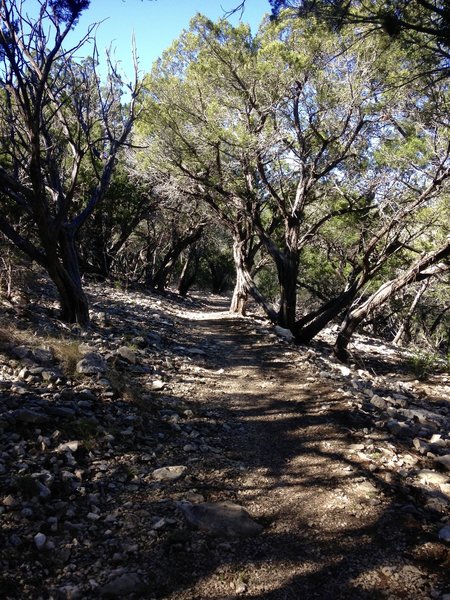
pixel 425 267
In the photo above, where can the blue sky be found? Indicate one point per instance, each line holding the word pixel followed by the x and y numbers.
pixel 156 23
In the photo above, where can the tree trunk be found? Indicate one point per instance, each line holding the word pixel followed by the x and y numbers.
pixel 169 260
pixel 307 328
pixel 287 278
pixel 438 319
pixel 65 273
pixel 245 285
pixel 425 267
pixel 403 330
pixel 73 300
pixel 240 293
pixel 287 263
pixel 189 272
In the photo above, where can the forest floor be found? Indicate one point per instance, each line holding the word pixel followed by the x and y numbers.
pixel 119 446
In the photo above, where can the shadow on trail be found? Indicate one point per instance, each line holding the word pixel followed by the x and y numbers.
pixel 370 544
pixel 334 526
pixel 319 559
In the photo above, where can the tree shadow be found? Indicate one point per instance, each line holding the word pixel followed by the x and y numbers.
pixel 335 524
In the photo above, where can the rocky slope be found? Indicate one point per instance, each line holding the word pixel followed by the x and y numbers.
pixel 175 451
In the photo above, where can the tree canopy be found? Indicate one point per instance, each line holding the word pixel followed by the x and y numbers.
pixel 322 175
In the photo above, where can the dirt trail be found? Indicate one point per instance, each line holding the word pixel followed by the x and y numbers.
pixel 333 527
pixel 351 500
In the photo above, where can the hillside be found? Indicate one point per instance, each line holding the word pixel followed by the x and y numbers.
pixel 127 447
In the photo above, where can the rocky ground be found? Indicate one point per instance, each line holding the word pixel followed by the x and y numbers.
pixel 175 451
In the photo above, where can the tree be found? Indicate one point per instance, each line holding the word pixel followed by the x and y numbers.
pixel 316 131
pixel 56 119
pixel 256 128
pixel 195 122
pixel 429 265
pixel 431 20
pixel 130 199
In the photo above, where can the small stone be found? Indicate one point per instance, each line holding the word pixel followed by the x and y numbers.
pixel 420 445
pixel 154 338
pixel 169 473
pixel 68 446
pixel 62 412
pixel 44 491
pixel 444 533
pixel 428 476
pixel 379 402
pixel 84 349
pixel 123 586
pixel 398 428
pixel 345 371
pixel 444 461
pixel 21 352
pixel 158 523
pixel 221 519
pixel 356 447
pixel 10 501
pixel 15 540
pixel 93 516
pixel 127 354
pixel 240 587
pixel 196 351
pixel 139 341
pixel 40 540
pixel 436 438
pixel 24 415
pixel 69 592
pixel 158 385
pixel 91 364
pixel 43 356
pixel 284 333
pixel 23 374
pixel 189 448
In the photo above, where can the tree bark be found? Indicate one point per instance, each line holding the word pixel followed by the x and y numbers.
pixel 245 285
pixel 287 264
pixel 189 272
pixel 307 328
pixel 65 273
pixel 73 300
pixel 438 319
pixel 402 332
pixel 425 267
pixel 169 260
pixel 287 267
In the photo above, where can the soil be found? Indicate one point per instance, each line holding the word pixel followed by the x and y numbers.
pixel 283 435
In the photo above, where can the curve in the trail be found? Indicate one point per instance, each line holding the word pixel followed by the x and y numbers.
pixel 332 525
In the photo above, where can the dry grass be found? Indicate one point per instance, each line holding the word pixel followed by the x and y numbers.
pixel 66 353
pixel 11 336
pixel 64 349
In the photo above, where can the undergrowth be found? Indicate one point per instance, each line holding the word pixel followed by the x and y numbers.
pixel 423 364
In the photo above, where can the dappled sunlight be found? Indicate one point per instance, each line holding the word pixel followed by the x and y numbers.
pixel 249 420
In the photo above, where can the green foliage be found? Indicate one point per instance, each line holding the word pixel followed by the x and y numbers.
pixel 423 364
pixel 301 140
pixel 267 282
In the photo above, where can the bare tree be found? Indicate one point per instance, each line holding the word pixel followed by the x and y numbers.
pixel 61 131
